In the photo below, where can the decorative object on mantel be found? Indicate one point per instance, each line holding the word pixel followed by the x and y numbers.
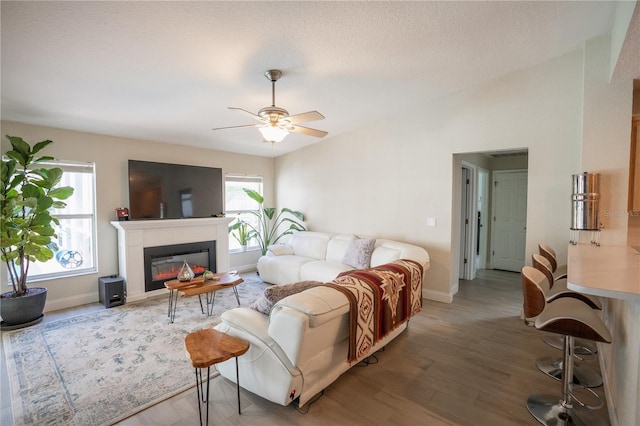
pixel 270 224
pixel 585 205
pixel 275 122
pixel 185 274
pixel 29 192
pixel 122 213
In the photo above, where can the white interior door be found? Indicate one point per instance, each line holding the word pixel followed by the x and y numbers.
pixel 509 220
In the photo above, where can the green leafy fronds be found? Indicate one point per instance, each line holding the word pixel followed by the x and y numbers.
pixel 269 212
pixel 254 195
pixel 241 232
pixel 272 222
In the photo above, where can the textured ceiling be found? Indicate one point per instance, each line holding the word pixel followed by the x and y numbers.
pixel 167 71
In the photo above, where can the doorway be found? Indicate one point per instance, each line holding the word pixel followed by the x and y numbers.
pixel 475 207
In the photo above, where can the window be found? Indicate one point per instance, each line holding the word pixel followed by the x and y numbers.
pixel 238 204
pixel 76 253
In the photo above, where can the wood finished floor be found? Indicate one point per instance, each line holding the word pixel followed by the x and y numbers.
pixel 470 362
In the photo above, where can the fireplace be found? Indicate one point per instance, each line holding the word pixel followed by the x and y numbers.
pixel 163 263
pixel 136 235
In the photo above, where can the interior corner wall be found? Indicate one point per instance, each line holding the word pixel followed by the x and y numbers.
pixel 606 132
pixel 625 13
pixel 110 154
pixel 606 146
pixel 387 179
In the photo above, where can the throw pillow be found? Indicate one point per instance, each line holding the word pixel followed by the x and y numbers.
pixel 280 249
pixel 277 292
pixel 358 254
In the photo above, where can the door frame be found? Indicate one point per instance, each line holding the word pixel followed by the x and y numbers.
pixel 485 210
pixel 468 223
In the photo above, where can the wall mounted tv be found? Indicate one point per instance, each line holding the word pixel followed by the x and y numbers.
pixel 173 191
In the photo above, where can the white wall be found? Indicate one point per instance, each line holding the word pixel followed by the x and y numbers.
pixel 110 155
pixel 386 180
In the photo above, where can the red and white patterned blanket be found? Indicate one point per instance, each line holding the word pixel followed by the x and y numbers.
pixel 381 299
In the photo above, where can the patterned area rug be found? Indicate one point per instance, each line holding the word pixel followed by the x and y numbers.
pixel 102 367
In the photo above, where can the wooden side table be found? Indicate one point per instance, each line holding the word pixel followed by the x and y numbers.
pixel 207 347
pixel 198 286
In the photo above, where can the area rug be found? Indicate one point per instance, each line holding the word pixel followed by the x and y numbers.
pixel 102 367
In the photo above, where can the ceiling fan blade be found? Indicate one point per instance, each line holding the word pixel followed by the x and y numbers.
pixel 304 117
pixel 308 131
pixel 249 113
pixel 238 127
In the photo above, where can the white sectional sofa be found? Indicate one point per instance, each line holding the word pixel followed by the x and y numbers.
pixel 319 256
pixel 302 346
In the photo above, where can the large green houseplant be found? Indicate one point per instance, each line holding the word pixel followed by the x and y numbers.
pixel 272 226
pixel 29 193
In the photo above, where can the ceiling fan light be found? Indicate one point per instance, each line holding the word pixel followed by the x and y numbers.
pixel 273 133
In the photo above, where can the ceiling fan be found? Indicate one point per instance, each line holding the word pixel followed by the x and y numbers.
pixel 275 122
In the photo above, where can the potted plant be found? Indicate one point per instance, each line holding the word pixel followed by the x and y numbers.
pixel 240 231
pixel 29 193
pixel 271 224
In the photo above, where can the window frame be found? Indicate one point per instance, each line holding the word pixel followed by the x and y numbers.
pixel 239 178
pixel 74 167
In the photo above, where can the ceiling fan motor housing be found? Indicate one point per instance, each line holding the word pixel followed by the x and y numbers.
pixel 273 113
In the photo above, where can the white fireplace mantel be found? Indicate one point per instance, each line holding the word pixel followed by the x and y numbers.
pixel 134 236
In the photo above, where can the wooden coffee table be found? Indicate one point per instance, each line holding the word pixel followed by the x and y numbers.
pixel 198 286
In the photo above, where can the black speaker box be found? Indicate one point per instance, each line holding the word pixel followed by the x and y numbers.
pixel 111 291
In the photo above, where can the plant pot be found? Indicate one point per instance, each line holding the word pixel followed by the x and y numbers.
pixel 24 310
pixel 244 247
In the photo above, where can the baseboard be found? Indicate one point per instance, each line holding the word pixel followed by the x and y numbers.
pixel 243 269
pixel 70 302
pixel 146 295
pixel 438 296
pixel 454 288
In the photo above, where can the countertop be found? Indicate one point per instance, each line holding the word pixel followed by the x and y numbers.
pixel 607 270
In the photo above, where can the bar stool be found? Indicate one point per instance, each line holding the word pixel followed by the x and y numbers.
pixel 559 271
pixel 552 366
pixel 206 348
pixel 558 287
pixel 571 318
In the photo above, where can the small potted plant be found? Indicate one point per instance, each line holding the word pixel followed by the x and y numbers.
pixel 240 231
pixel 29 192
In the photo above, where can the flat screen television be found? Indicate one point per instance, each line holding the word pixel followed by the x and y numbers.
pixel 173 191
